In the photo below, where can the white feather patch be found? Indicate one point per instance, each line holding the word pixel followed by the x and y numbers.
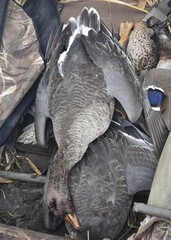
pixel 157 109
pixel 154 88
pixel 81 29
pixel 164 63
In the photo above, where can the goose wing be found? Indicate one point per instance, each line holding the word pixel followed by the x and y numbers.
pixel 118 72
pixel 55 46
pixel 141 164
pixel 99 189
pixel 136 153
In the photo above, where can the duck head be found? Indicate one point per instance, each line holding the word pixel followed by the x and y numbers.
pixel 162 35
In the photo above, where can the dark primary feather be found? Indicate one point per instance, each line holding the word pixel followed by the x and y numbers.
pixel 115 166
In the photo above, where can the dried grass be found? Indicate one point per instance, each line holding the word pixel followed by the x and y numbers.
pixel 20 2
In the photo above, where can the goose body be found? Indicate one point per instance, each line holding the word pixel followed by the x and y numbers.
pixel 86 70
pixel 116 165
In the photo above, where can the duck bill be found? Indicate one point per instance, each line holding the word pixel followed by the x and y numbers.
pixel 72 219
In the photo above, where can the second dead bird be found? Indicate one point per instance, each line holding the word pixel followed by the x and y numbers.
pixel 116 165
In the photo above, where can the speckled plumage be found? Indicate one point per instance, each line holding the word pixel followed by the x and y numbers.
pixel 141 49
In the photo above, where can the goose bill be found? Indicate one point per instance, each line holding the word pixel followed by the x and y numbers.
pixel 72 219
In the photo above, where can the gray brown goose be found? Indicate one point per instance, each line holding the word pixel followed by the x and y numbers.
pixel 115 166
pixel 86 70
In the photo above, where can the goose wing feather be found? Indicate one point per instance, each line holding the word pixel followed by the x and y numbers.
pixel 98 187
pixel 141 164
pixel 55 47
pixel 118 72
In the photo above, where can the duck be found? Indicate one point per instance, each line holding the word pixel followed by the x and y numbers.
pixel 156 88
pixel 18 84
pixel 156 91
pixel 115 166
pixel 87 70
pixel 141 48
pixel 162 38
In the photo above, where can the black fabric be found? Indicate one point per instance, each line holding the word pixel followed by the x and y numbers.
pixel 3 11
pixel 45 15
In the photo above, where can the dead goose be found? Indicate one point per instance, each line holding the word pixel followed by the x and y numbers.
pixel 86 70
pixel 115 166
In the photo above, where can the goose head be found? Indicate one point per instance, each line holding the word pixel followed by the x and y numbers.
pixel 57 202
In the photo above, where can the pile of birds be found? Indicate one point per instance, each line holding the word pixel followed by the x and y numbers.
pixel 110 112
pixel 90 181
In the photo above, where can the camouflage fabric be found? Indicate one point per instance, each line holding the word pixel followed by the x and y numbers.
pixel 20 60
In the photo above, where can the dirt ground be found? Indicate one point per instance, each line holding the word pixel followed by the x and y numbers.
pixel 21 202
pixel 111 14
